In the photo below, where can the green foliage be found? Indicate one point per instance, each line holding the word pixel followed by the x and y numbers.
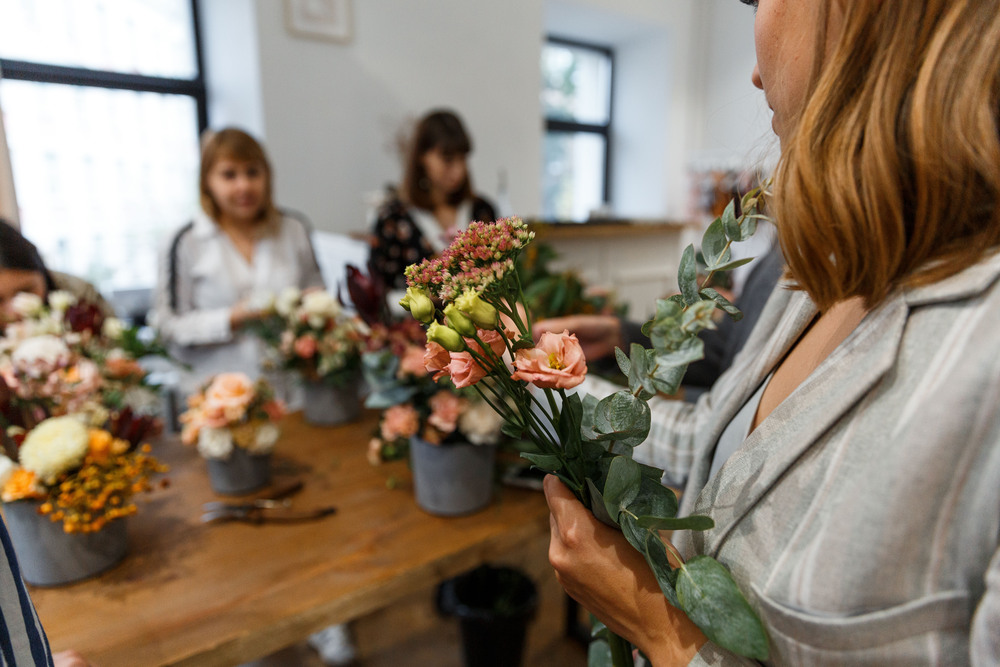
pixel 549 293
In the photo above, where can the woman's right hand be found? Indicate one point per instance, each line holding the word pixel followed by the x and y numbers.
pixel 599 335
pixel 241 313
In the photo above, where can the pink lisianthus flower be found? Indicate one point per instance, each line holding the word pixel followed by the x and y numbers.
pixel 465 371
pixel 400 421
pixel 557 362
pixel 227 398
pixel 305 346
pixel 436 360
pixel 446 408
pixel 411 362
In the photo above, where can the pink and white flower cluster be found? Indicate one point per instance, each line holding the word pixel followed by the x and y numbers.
pixel 232 410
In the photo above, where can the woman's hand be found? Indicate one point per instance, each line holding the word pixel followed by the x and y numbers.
pixel 599 335
pixel 600 569
pixel 242 313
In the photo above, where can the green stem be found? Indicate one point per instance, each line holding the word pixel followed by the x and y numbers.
pixel 621 651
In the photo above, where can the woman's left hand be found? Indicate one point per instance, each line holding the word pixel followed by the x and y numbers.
pixel 600 569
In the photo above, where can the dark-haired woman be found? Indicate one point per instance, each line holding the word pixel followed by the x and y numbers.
pixel 435 200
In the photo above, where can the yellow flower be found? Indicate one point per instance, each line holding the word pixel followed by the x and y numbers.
pixel 418 302
pixel 447 338
pixel 479 311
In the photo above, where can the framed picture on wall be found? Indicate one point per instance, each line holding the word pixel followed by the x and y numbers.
pixel 319 19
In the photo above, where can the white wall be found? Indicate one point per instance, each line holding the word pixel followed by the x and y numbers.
pixel 329 113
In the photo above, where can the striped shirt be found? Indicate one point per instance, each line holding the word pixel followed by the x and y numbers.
pixel 22 639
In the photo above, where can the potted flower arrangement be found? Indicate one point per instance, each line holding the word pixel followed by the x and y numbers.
pixel 232 420
pixel 310 333
pixel 447 431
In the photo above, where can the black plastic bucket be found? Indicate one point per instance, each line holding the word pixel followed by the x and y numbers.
pixel 494 606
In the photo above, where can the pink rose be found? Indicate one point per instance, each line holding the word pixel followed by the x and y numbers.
pixel 436 360
pixel 466 371
pixel 445 410
pixel 400 421
pixel 305 346
pixel 557 362
pixel 411 362
pixel 227 398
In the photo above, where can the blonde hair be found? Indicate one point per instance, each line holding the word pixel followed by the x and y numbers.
pixel 891 176
pixel 233 144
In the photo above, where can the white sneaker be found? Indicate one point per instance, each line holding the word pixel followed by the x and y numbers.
pixel 334 645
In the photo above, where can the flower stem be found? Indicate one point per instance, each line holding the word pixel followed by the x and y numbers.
pixel 621 651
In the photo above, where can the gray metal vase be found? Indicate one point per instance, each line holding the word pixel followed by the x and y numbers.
pixel 452 479
pixel 239 474
pixel 49 556
pixel 327 405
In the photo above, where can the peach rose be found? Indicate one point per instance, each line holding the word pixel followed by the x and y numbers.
pixel 557 362
pixel 464 370
pixel 305 346
pixel 446 408
pixel 121 367
pixel 436 360
pixel 227 398
pixel 411 362
pixel 400 421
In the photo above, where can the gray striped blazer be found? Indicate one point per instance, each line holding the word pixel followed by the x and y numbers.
pixel 862 517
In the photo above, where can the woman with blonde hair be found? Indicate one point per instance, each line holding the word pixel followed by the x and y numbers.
pixel 850 458
pixel 217 268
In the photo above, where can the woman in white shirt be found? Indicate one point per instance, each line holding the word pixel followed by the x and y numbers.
pixel 219 267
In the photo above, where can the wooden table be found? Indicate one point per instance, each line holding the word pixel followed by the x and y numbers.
pixel 218 594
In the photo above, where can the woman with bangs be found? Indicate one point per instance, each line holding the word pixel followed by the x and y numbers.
pixel 434 203
pixel 218 268
pixel 850 457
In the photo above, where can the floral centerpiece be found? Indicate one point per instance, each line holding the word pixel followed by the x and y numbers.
pixel 62 356
pixel 231 411
pixel 83 476
pixel 588 442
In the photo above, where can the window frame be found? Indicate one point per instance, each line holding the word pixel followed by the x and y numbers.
pixel 20 70
pixel 558 125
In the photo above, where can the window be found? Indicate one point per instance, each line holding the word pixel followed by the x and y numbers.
pixel 103 104
pixel 576 99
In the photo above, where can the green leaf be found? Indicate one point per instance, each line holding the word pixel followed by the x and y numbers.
pixel 654 499
pixel 729 266
pixel 668 378
pixel 546 462
pixel 731 224
pixel 651 472
pixel 512 429
pixel 696 522
pixel 722 303
pixel 687 276
pixel 712 600
pixel 597 506
pixel 691 350
pixel 623 362
pixel 666 576
pixel 570 418
pixel 622 486
pixel 639 381
pixel 623 418
pixel 633 532
pixel 714 244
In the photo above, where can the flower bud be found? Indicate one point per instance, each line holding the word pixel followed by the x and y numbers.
pixel 418 302
pixel 479 311
pixel 459 322
pixel 447 338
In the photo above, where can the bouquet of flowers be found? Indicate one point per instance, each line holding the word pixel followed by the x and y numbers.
pixel 312 334
pixel 588 442
pixel 62 356
pixel 231 411
pixel 84 476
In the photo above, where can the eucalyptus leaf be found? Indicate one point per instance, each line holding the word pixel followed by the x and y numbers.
pixel 687 275
pixel 623 418
pixel 729 266
pixel 639 382
pixel 666 576
pixel 714 244
pixel 722 303
pixel 654 499
pixel 546 462
pixel 731 224
pixel 570 418
pixel 689 351
pixel 623 361
pixel 622 485
pixel 711 599
pixel 599 654
pixel 695 522
pixel 597 506
pixel 512 429
pixel 668 378
pixel 633 532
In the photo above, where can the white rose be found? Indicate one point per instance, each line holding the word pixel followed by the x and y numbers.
pixel 61 300
pixel 113 328
pixel 215 443
pixel 480 424
pixel 56 445
pixel 7 468
pixel 27 304
pixel 266 438
pixel 286 301
pixel 46 351
pixel 320 303
pixel 263 301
